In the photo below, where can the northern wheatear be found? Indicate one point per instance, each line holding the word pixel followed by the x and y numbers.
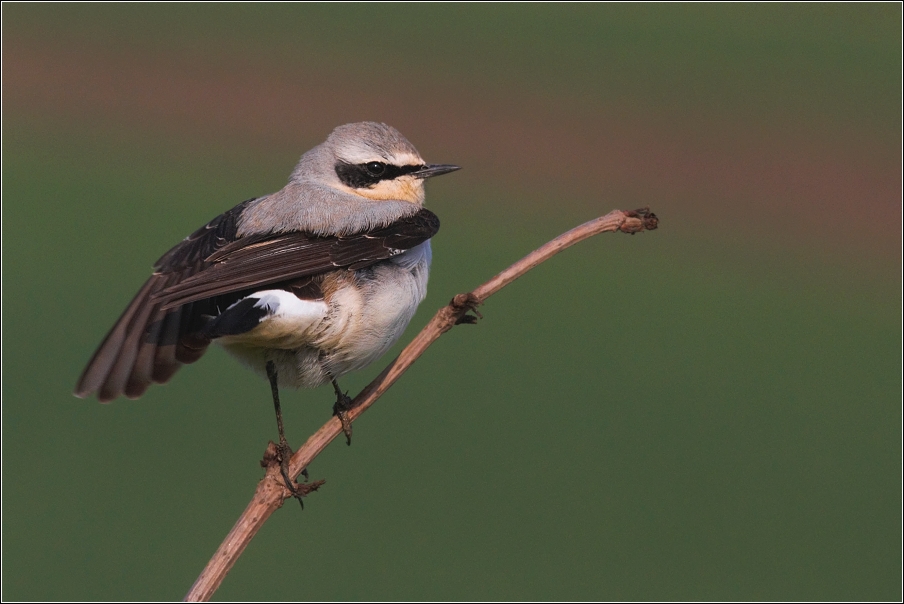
pixel 304 285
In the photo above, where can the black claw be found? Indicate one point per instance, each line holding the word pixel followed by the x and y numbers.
pixel 340 409
pixel 285 453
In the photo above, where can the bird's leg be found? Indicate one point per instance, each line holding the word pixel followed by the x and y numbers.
pixel 341 408
pixel 285 452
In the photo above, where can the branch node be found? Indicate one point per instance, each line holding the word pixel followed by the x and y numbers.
pixel 271 455
pixel 464 303
pixel 308 487
pixel 272 462
pixel 638 220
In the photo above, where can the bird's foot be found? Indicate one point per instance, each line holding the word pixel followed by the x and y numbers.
pixel 284 454
pixel 464 303
pixel 340 409
pixel 281 453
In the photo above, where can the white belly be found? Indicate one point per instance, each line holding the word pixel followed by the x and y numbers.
pixel 314 342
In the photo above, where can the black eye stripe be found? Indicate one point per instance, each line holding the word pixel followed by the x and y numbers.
pixel 359 176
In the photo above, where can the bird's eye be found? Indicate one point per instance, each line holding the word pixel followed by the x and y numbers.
pixel 376 168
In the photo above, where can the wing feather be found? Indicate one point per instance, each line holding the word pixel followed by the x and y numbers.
pixel 244 265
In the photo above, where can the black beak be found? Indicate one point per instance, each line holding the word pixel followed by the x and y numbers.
pixel 435 170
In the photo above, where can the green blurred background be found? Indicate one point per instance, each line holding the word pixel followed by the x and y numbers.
pixel 708 411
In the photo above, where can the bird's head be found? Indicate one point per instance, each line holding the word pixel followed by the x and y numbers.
pixel 371 160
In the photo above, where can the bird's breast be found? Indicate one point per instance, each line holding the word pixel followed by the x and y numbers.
pixel 370 309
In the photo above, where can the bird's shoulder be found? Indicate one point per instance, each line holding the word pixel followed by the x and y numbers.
pixel 201 244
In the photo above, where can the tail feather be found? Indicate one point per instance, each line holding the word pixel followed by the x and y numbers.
pixel 165 363
pixel 95 374
pixel 118 377
pixel 193 343
pixel 143 370
pixel 140 349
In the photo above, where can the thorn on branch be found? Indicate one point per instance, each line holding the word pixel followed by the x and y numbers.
pixel 639 220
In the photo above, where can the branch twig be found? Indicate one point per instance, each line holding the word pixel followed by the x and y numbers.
pixel 271 491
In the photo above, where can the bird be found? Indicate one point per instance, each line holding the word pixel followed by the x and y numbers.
pixel 303 285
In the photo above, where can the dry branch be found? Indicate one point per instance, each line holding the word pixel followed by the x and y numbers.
pixel 272 491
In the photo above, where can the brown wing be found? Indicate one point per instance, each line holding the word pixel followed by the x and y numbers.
pixel 245 263
pixel 147 343
pixel 210 269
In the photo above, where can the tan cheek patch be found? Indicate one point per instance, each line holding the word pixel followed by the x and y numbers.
pixel 404 188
